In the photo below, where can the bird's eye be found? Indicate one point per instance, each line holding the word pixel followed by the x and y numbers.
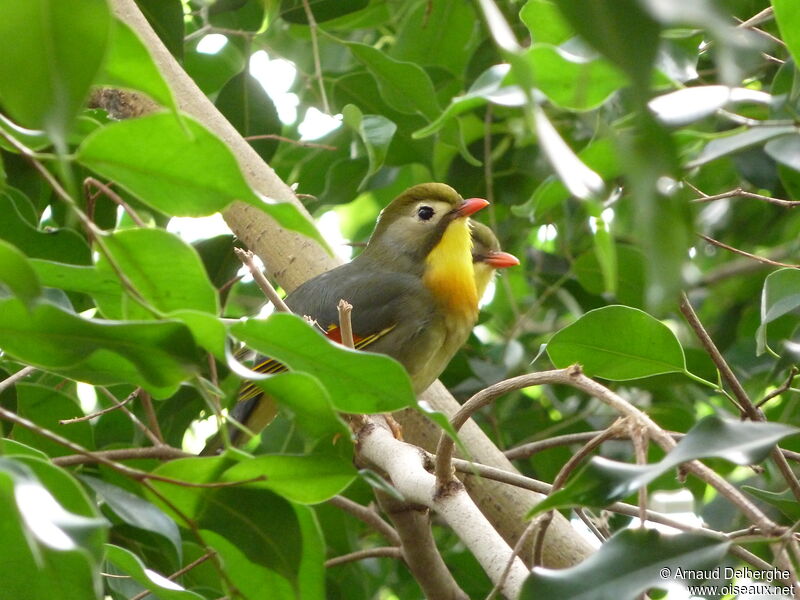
pixel 425 212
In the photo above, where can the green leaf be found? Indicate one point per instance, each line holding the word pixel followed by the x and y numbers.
pixel 166 19
pixel 570 81
pixel 177 167
pixel 404 86
pixel 166 271
pixel 694 103
pixel 602 481
pixel 248 107
pixel 156 355
pixel 261 523
pixel 129 65
pixel 18 274
pixel 579 179
pixel 37 42
pixel 53 546
pixel 135 511
pixel 621 30
pixel 785 150
pixel 358 382
pixel 490 86
pixel 292 11
pixel 780 296
pixel 441 34
pixel 729 144
pixel 103 286
pixel 127 563
pixel 785 502
pixel 640 347
pixel 545 22
pixel 375 131
pixel 306 479
pixel 630 563
pixel 64 245
pixel 308 401
pixel 630 271
pixel 46 407
pixel 788 20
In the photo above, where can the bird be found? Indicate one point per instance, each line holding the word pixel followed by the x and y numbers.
pixel 414 290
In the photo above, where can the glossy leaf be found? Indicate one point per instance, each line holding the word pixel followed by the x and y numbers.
pixel 166 271
pixel 403 85
pixel 570 81
pixel 306 479
pixel 17 274
pixel 780 296
pixel 630 283
pixel 46 408
pixel 358 382
pixel 630 563
pixel 602 481
pixel 293 11
pixel 53 546
pixel 694 103
pixel 376 133
pixel 57 72
pixel 248 107
pixel 103 286
pixel 579 179
pixel 621 30
pixel 785 150
pixel 640 347
pixel 729 144
pixel 135 511
pixel 64 245
pixel 177 167
pixel 545 22
pixel 129 65
pixel 308 401
pixel 156 355
pixel 785 502
pixel 127 563
pixel 263 524
pixel 788 20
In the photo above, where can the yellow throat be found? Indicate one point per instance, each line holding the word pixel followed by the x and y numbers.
pixel 449 273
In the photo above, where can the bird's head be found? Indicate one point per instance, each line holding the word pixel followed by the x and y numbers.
pixel 487 256
pixel 416 221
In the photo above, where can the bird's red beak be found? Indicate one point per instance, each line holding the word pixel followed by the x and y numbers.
pixel 471 206
pixel 501 260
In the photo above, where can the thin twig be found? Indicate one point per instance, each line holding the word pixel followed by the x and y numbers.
pixel 761 259
pixel 312 27
pixel 368 516
pixel 157 452
pixel 745 404
pixel 246 256
pixel 382 552
pixel 345 324
pixel 141 426
pixel 783 387
pixel 740 193
pixel 152 419
pixel 15 377
pixel 99 457
pixel 564 473
pixel 109 409
pixel 280 138
pixel 106 189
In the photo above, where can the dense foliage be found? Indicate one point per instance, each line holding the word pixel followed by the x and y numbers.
pixel 642 160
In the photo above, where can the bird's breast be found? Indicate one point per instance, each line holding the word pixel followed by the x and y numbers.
pixel 450 276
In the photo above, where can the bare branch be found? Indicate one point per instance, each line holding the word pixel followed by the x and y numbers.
pixel 383 552
pixel 246 256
